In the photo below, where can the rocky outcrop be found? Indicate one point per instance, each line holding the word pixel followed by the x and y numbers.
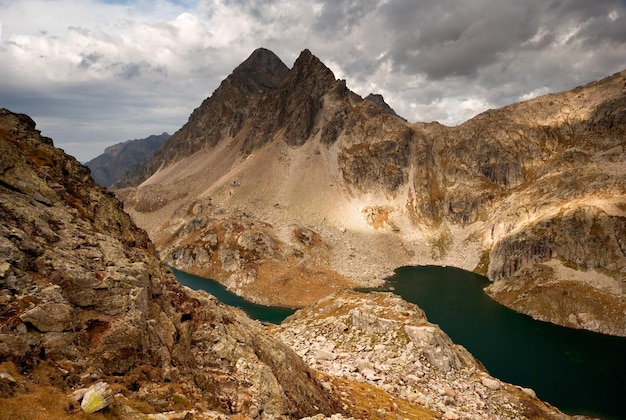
pixel 294 106
pixel 119 158
pixel 85 301
pixel 513 189
pixel 379 339
pixel 378 99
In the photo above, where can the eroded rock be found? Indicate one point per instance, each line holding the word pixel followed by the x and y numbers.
pixel 393 347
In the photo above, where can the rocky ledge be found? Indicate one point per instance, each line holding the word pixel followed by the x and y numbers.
pixel 380 340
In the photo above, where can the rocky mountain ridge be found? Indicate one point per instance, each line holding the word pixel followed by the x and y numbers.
pixel 531 194
pixel 121 157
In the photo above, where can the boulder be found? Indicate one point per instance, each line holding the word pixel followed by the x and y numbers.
pixel 49 317
pixel 97 397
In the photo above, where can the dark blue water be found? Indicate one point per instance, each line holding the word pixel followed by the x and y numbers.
pixel 575 370
pixel 272 314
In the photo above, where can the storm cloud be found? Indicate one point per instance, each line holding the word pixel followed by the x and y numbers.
pixel 93 73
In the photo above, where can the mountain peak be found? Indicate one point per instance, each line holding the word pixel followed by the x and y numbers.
pixel 308 65
pixel 263 68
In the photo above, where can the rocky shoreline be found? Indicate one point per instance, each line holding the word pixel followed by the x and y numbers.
pixel 381 340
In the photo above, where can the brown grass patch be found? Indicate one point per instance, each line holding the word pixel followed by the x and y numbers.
pixel 292 285
pixel 38 401
pixel 364 401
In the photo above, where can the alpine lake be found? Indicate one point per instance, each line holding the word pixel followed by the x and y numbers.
pixel 578 371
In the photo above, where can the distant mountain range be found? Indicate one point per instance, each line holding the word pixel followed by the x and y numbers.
pixel 119 158
pixel 286 186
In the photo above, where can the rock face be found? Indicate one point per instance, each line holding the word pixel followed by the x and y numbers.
pixel 252 257
pixel 119 158
pixel 379 339
pixel 532 194
pixel 222 115
pixel 380 101
pixel 85 300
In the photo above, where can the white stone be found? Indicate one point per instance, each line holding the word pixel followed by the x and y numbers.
pixel 324 355
pixel 529 392
pixel 490 383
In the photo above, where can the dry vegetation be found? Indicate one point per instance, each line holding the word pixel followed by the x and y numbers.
pixel 365 401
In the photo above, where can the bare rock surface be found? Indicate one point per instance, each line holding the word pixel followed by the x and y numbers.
pixel 381 340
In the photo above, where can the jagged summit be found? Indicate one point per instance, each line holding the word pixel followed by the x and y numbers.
pixel 294 106
pixel 261 93
pixel 262 69
pixel 222 115
pixel 307 66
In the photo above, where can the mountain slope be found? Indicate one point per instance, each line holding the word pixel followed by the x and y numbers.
pixel 119 158
pixel 85 300
pixel 222 115
pixel 318 189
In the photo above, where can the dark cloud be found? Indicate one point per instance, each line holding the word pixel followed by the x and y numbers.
pixel 88 60
pixel 134 70
pixel 448 38
pixel 338 18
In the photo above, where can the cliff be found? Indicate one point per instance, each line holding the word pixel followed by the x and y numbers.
pixel 335 190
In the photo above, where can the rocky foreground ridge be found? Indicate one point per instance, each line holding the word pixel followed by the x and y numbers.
pixel 85 300
pixel 92 325
pixel 286 186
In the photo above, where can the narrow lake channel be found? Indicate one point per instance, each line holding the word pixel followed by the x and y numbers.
pixel 577 371
pixel 271 314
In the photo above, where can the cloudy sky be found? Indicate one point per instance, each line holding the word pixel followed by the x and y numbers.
pixel 96 72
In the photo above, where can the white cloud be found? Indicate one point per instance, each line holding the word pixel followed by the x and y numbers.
pixel 92 73
pixel 534 93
